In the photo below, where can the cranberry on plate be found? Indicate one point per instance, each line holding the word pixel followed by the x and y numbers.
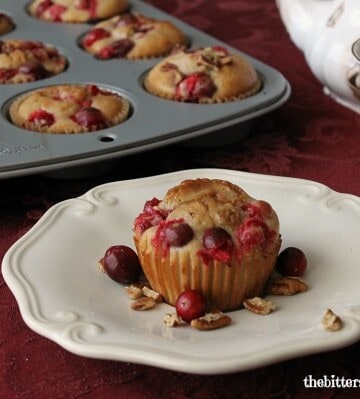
pixel 121 264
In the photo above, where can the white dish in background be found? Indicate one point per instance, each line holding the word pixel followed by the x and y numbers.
pixel 52 271
pixel 327 32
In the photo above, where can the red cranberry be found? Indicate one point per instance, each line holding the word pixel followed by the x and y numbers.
pixel 43 6
pixel 217 238
pixel 56 11
pixel 6 74
pixel 95 35
pixel 121 264
pixel 150 204
pixel 291 262
pixel 251 233
pixel 34 68
pixel 90 117
pixel 218 245
pixel 41 118
pixel 117 49
pixel 150 216
pixel 95 90
pixel 195 86
pixel 220 49
pixel 190 305
pixel 178 234
pixel 172 233
pixel 258 209
pixel 86 4
pixel 127 19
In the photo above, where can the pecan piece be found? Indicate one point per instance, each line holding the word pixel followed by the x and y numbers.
pixel 100 264
pixel 285 286
pixel 143 303
pixel 211 321
pixel 172 320
pixel 330 321
pixel 134 291
pixel 259 305
pixel 152 294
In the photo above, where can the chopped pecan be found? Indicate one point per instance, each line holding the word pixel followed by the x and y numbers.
pixel 152 294
pixel 259 305
pixel 134 291
pixel 330 321
pixel 101 265
pixel 172 320
pixel 285 286
pixel 143 303
pixel 211 321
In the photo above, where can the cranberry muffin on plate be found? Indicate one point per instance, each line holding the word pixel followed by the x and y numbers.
pixel 23 61
pixel 74 11
pixel 211 236
pixel 69 109
pixel 204 75
pixel 132 36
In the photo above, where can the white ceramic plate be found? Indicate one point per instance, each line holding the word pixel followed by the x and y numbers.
pixel 62 295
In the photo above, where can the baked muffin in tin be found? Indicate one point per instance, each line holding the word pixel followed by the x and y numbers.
pixel 132 36
pixel 23 61
pixel 69 109
pixel 203 75
pixel 74 11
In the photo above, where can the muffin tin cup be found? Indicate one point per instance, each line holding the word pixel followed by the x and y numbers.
pixel 153 122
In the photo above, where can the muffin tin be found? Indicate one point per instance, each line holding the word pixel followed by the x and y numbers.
pixel 154 122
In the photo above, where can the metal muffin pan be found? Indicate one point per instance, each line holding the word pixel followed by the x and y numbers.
pixel 154 122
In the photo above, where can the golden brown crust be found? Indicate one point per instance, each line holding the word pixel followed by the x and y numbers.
pixel 149 37
pixel 203 204
pixel 74 11
pixel 231 76
pixel 62 103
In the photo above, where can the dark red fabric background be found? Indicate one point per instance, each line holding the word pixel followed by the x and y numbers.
pixel 310 137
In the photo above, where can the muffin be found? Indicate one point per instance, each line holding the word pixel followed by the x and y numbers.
pixel 205 75
pixel 69 109
pixel 208 235
pixel 24 61
pixel 76 10
pixel 132 36
pixel 6 24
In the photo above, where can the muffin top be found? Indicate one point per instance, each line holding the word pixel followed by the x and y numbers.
pixel 69 109
pixel 24 61
pixel 216 218
pixel 204 75
pixel 76 10
pixel 132 36
pixel 6 24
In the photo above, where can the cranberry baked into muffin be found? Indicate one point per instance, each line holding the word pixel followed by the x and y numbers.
pixel 24 61
pixel 76 10
pixel 132 36
pixel 69 109
pixel 211 236
pixel 6 24
pixel 205 75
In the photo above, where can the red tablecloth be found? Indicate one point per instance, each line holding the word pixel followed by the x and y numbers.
pixel 310 137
